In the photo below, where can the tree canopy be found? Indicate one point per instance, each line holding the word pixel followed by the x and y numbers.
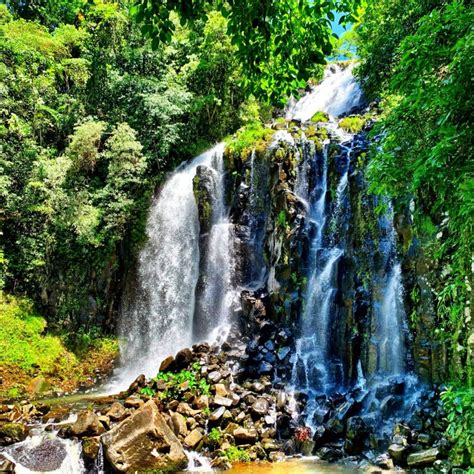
pixel 278 42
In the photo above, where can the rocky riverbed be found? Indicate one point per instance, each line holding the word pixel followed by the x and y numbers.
pixel 227 404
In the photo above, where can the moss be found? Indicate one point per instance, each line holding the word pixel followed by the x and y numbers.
pixel 320 117
pixel 254 135
pixel 353 124
pixel 15 432
pixel 29 354
pixel 318 135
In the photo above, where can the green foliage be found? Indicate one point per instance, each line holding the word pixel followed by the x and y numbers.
pixel 148 391
pixel 22 339
pixel 282 220
pixel 268 37
pixel 184 380
pixel 352 124
pixel 419 57
pixel 92 119
pixel 235 454
pixel 83 149
pixel 459 406
pixel 248 138
pixel 320 117
pixel 215 436
pixel 27 351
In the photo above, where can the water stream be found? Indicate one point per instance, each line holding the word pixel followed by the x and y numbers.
pixel 158 317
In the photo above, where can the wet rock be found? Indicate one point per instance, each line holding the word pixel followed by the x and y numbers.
pixel 6 466
pixel 423 458
pixel 221 390
pixel 356 434
pixel 398 453
pixel 143 442
pixel 384 461
pixel 117 412
pixel 222 401
pixel 133 402
pixel 321 415
pixel 87 424
pixel 137 384
pixel 277 456
pixel 260 407
pixel 214 376
pixel 245 436
pixel 399 439
pixel 91 447
pixel 221 463
pixel 217 414
pixel 402 429
pixel 166 363
pixel 235 399
pixel 443 466
pixel 269 444
pixel 182 359
pixel 283 352
pixel 193 439
pixel 105 421
pixel 388 405
pixel 46 456
pixel 327 453
pixel 179 424
pixel 269 345
pixel 185 409
pixel 265 368
pixel 258 387
pixel 201 402
pixel 12 433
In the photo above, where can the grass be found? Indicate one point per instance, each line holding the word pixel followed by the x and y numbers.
pixel 23 341
pixel 27 352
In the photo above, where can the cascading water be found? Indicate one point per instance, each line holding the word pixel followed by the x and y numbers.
pixel 157 319
pixel 337 94
pixel 316 366
pixel 389 311
pixel 44 451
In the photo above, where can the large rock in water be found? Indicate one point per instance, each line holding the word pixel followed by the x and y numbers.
pixel 144 442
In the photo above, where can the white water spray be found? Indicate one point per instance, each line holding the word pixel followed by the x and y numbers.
pixel 157 320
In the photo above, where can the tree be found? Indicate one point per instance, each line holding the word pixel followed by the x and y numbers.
pixel 278 42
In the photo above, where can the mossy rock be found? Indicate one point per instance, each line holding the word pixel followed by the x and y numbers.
pixel 12 433
pixel 353 124
pixel 38 386
pixel 320 117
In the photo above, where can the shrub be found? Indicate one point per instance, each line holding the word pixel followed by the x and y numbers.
pixel 235 454
pixel 352 124
pixel 459 406
pixel 320 117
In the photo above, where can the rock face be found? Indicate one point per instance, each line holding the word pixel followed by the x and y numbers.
pixel 144 442
pixel 423 458
pixel 87 424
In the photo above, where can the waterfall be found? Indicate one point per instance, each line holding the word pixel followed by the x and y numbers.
pixel 317 367
pixel 157 318
pixel 389 311
pixel 337 94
